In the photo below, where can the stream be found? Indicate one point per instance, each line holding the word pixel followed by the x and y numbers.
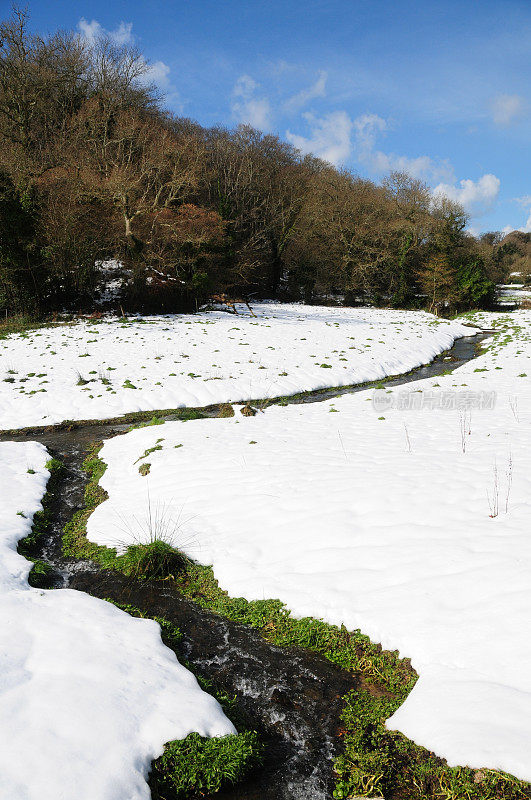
pixel 292 697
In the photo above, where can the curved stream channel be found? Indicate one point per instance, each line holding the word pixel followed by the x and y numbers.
pixel 292 697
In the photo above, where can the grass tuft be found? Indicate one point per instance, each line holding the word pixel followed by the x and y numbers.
pixel 156 560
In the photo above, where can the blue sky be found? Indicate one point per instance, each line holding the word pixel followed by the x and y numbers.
pixel 440 89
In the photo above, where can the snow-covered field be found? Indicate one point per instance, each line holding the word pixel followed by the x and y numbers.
pixel 404 513
pixel 88 694
pixel 510 293
pixel 100 369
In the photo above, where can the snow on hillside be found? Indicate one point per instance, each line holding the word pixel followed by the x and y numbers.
pixel 88 694
pixel 404 513
pixel 99 369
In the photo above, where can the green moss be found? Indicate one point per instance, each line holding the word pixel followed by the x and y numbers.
pixel 40 575
pixel 29 546
pixel 75 542
pixel 53 465
pixel 379 762
pixel 137 419
pixel 147 423
pixel 349 650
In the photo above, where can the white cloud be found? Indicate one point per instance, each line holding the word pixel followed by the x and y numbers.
pixel 526 228
pixel 524 201
pixel 247 107
pixel 367 127
pixel 477 197
pixel 157 73
pixel 330 137
pixel 91 31
pixel 299 100
pixel 506 108
pixel 244 87
pixel 123 33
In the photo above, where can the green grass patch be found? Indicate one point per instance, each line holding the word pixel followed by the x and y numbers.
pixel 375 761
pixel 148 452
pixel 147 423
pixel 379 762
pixel 203 766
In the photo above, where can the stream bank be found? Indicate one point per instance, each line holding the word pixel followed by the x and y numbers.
pixel 293 698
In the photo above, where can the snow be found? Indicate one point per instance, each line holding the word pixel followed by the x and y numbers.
pixel 20 497
pixel 507 294
pixel 377 519
pixel 96 369
pixel 514 290
pixel 88 694
pixel 113 275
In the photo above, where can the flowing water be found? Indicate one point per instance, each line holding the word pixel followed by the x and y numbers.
pixel 292 697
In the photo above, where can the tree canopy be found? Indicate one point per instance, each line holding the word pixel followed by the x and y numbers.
pixel 93 168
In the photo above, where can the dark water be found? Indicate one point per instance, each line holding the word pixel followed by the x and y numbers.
pixel 293 698
pixel 462 351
